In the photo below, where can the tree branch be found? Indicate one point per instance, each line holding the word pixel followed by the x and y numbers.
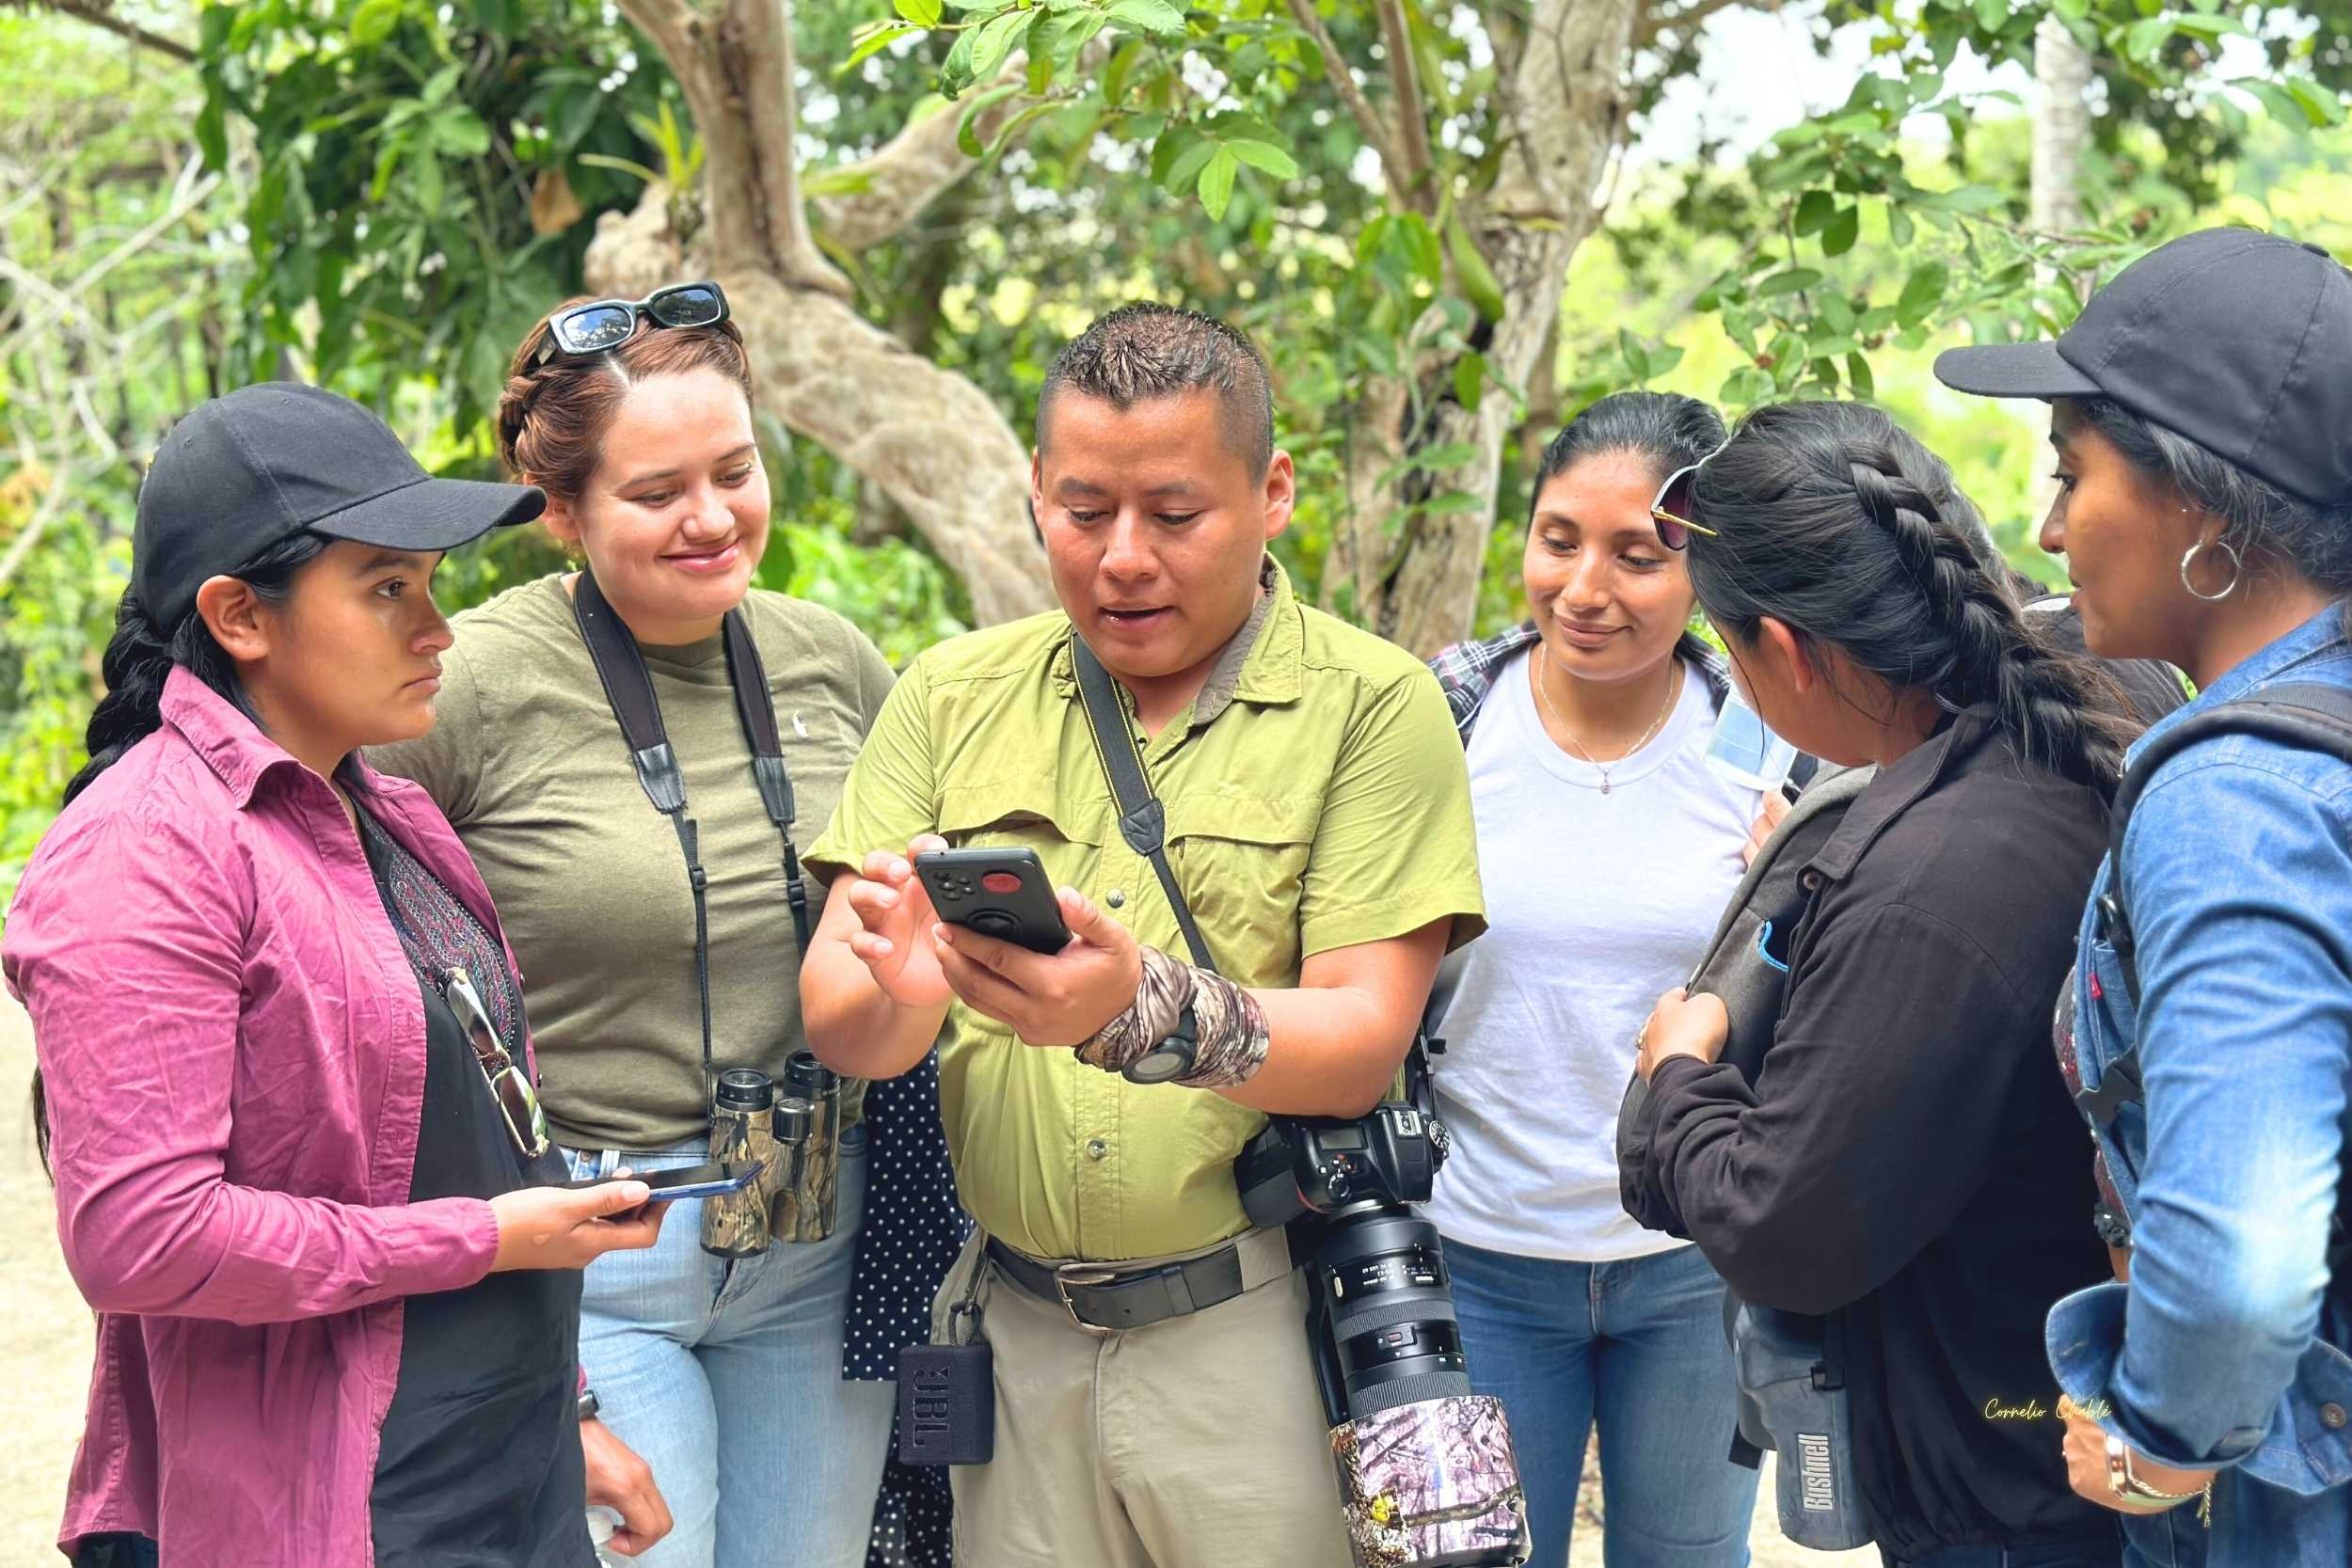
pixel 1683 19
pixel 97 16
pixel 907 173
pixel 1412 120
pixel 1342 75
pixel 757 40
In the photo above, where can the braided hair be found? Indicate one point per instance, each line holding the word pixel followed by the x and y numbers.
pixel 552 417
pixel 1832 521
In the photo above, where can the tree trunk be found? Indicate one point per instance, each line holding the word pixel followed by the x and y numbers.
pixel 929 438
pixel 2061 132
pixel 2062 127
pixel 1565 109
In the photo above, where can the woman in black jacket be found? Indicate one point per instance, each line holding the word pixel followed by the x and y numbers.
pixel 1906 1162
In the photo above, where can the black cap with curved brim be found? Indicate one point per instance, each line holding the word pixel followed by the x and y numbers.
pixel 244 473
pixel 2239 341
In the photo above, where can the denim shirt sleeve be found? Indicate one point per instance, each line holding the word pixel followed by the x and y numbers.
pixel 2240 890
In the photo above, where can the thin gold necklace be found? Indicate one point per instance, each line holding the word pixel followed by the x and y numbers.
pixel 1673 691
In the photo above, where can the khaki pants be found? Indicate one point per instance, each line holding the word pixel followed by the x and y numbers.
pixel 1194 1443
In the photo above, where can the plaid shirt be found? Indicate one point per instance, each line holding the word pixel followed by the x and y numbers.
pixel 1467 671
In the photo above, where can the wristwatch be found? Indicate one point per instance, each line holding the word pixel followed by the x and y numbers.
pixel 1169 1058
pixel 2128 1488
pixel 588 1405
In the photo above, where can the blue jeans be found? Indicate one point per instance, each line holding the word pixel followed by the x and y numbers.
pixel 725 1376
pixel 1639 1347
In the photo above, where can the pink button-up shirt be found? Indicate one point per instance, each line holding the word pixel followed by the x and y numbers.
pixel 233 1045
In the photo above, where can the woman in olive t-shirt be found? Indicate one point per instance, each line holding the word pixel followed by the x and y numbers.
pixel 726 1375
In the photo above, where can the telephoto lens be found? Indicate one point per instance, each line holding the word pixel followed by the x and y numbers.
pixel 742 1127
pixel 1427 1477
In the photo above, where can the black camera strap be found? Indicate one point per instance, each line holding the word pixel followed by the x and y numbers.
pixel 628 688
pixel 1142 820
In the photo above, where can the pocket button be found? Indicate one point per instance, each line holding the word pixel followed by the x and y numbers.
pixel 2332 1416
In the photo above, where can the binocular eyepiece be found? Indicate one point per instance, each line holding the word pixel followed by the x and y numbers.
pixel 798 1134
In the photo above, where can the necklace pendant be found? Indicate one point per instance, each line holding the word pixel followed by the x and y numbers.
pixel 1604 784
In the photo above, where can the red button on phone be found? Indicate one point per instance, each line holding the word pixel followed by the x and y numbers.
pixel 1001 881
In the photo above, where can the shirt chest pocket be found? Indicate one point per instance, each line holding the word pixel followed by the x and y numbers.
pixel 1242 863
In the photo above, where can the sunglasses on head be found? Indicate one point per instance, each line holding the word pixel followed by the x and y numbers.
pixel 605 323
pixel 1671 509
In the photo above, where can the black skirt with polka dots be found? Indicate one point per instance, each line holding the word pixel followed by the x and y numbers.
pixel 911 1235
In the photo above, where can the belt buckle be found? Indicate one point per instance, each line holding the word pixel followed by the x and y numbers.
pixel 1067 1274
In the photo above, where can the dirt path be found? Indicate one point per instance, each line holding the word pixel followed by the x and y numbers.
pixel 45 1356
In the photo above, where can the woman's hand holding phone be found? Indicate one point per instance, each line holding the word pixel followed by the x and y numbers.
pixel 895 913
pixel 555 1227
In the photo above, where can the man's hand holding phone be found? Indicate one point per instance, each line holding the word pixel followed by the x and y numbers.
pixel 1049 999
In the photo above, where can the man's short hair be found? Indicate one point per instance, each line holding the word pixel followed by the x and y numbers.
pixel 1145 351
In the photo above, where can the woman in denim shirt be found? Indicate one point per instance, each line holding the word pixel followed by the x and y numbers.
pixel 2203 402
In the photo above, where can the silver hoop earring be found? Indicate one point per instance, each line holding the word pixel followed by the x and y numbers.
pixel 2237 569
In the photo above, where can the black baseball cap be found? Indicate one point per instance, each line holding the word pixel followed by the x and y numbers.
pixel 244 473
pixel 2239 341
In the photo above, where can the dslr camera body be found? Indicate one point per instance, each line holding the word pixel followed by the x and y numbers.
pixel 1427 1477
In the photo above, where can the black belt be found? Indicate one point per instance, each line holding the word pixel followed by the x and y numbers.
pixel 1105 1298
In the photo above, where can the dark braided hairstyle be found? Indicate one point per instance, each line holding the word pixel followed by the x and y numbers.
pixel 1832 521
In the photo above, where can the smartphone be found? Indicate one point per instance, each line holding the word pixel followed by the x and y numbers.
pixel 998 893
pixel 717 1177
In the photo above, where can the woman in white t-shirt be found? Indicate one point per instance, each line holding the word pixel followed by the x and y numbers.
pixel 1609 849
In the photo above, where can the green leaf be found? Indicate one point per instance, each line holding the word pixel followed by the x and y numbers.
pixel 1898 225
pixel 2282 106
pixel 955 71
pixel 1814 209
pixel 1185 173
pixel 1155 17
pixel 372 21
pixel 1839 233
pixel 1265 156
pixel 1922 292
pixel 1115 75
pixel 1217 182
pixel 1421 249
pixel 874 42
pixel 995 40
pixel 2323 104
pixel 967 137
pixel 923 13
pixel 1991 14
pixel 1636 357
pixel 1789 281
pixel 1445 454
pixel 459 132
pixel 1476 280
pixel 1858 377
pixel 1470 380
pixel 1854 124
pixel 1060 39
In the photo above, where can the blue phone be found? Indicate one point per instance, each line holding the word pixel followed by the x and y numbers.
pixel 714 1179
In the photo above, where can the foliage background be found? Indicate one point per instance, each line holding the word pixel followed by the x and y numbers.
pixel 382 195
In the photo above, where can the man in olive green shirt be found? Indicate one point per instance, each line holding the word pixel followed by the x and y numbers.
pixel 1318 821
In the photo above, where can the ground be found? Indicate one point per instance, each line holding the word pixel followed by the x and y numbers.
pixel 44 1358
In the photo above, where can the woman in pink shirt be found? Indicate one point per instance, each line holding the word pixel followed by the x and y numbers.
pixel 285 1082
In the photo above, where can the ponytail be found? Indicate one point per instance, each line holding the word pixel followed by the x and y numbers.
pixel 1832 521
